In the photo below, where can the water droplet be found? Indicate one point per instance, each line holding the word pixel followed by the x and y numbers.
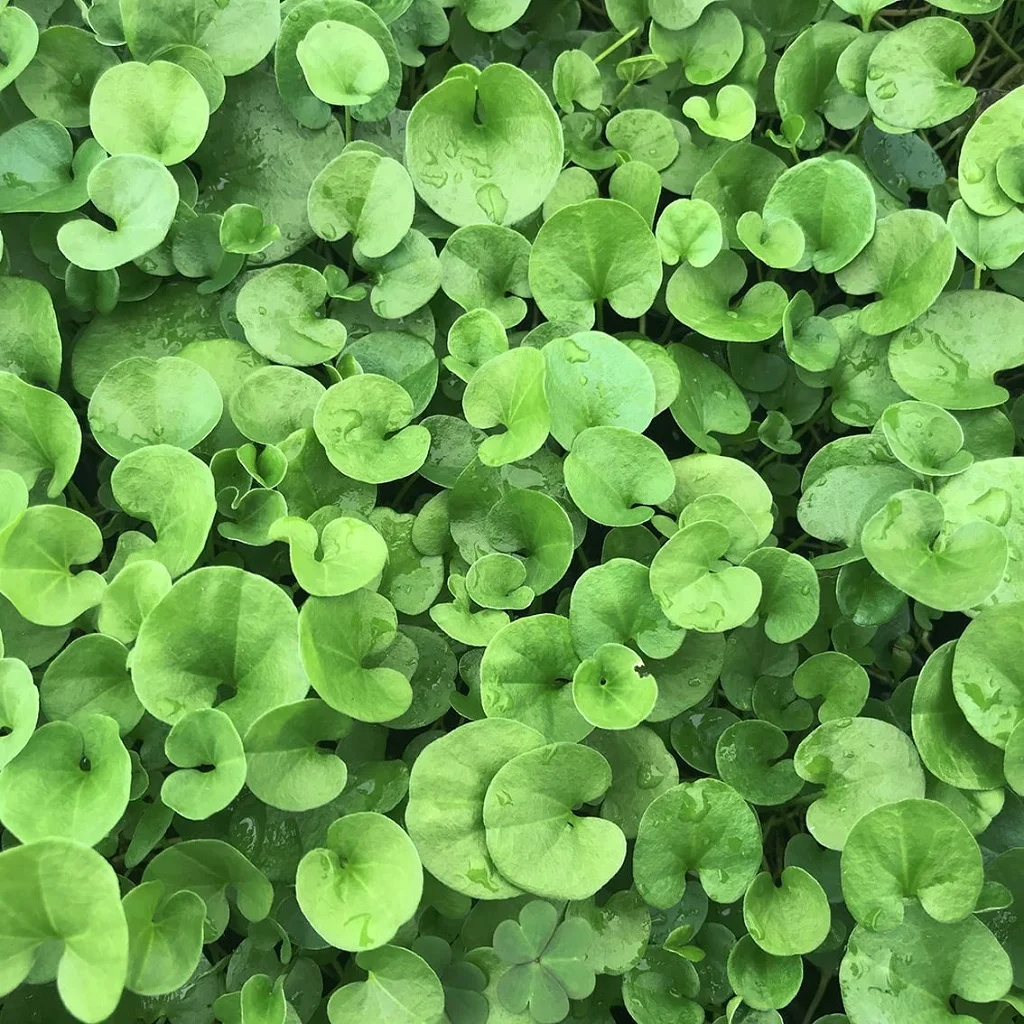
pixel 887 91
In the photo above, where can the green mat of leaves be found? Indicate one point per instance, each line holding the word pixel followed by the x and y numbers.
pixel 512 511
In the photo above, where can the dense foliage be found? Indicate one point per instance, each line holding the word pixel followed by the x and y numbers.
pixel 511 511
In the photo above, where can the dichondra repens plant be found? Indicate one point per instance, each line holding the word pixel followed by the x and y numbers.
pixel 512 511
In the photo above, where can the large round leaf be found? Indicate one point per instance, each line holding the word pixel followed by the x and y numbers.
pixel 445 813
pixel 478 119
pixel 532 834
pixel 366 882
pixel 525 676
pixel 988 676
pixel 703 826
pixel 911 849
pixel 862 763
pixel 70 781
pixel 59 895
pixel 597 250
pixel 221 637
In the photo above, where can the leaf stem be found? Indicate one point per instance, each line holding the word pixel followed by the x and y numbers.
pixel 826 977
pixel 993 33
pixel 977 276
pixel 618 42
pixel 348 126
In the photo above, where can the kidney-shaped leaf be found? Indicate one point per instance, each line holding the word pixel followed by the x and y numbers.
pixel 139 195
pixel 703 299
pixel 223 637
pixel 592 251
pixel 70 781
pixel 862 763
pixel 362 422
pixel 949 355
pixel 532 834
pixel 157 110
pixel 703 826
pixel 337 636
pixel 906 543
pixel 910 849
pixel 911 972
pixel 907 264
pixel 698 591
pixel 447 787
pixel 464 146
pixel 360 888
pixel 59 894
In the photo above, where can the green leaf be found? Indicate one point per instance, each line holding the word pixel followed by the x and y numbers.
pixel 790 918
pixel 19 708
pixel 363 194
pixel 508 391
pixel 400 988
pixel 722 844
pixel 907 263
pixel 209 868
pixel 142 401
pixel 58 81
pixel 36 554
pixel 949 358
pixel 39 435
pixel 165 938
pixel 841 682
pixel 612 689
pixel 363 885
pixel 220 637
pixel 522 662
pixel 344 555
pixel 862 763
pixel 911 81
pixel 237 34
pixel 334 658
pixel 58 891
pixel 485 266
pixel 270 310
pixel 611 471
pixel 343 65
pixel 704 300
pixel 139 195
pixel 906 543
pixel 987 680
pixel 157 110
pixel 84 771
pixel 937 961
pixel 207 749
pixel 90 676
pixel 447 787
pixel 444 130
pixel 694 589
pixel 528 803
pixel 914 848
pixel 353 422
pixel 596 250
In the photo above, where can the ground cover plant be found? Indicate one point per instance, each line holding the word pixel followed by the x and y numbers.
pixel 511 511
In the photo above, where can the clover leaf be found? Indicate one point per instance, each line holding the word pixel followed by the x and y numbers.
pixel 547 959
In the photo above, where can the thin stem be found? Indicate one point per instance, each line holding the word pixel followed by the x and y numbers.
pixel 618 42
pixel 622 92
pixel 977 276
pixel 982 51
pixel 348 126
pixel 993 33
pixel 826 977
